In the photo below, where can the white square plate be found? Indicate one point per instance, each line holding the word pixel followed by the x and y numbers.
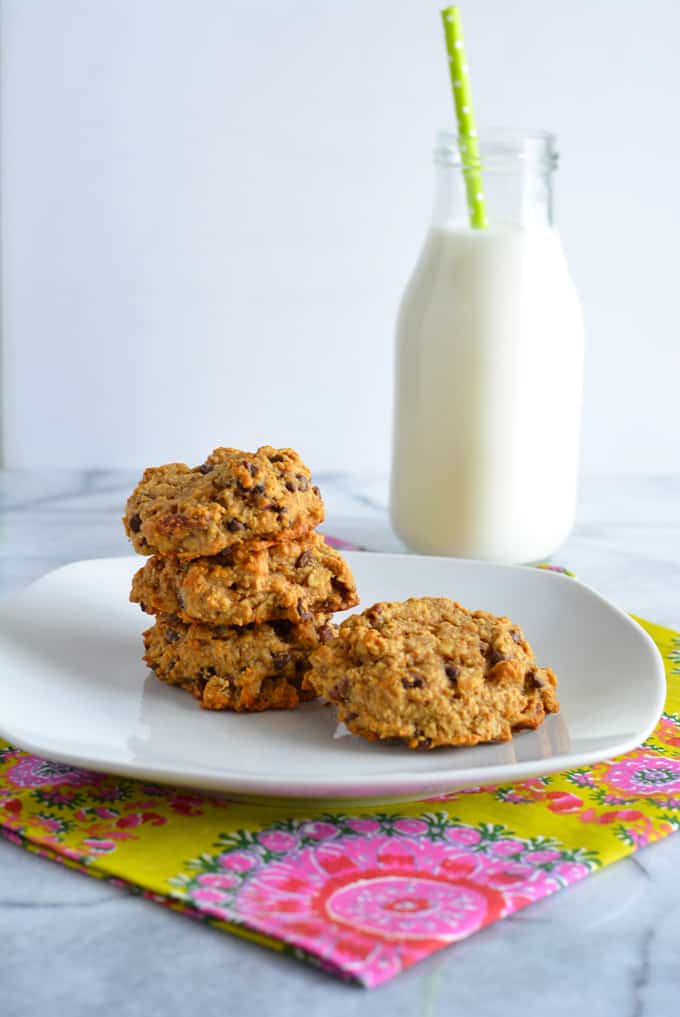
pixel 73 689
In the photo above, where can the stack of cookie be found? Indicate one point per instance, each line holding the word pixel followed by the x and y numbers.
pixel 242 587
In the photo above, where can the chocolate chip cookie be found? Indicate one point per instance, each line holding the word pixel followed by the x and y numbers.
pixel 233 496
pixel 431 673
pixel 294 579
pixel 247 669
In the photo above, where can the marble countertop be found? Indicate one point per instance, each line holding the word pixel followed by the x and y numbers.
pixel 607 946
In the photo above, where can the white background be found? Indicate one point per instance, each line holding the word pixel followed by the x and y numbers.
pixel 210 209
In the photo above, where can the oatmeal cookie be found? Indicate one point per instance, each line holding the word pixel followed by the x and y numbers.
pixel 294 579
pixel 247 669
pixel 233 496
pixel 430 673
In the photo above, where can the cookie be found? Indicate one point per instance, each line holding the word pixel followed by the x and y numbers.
pixel 247 669
pixel 295 579
pixel 429 672
pixel 233 496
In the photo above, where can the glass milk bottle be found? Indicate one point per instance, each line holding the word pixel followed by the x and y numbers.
pixel 489 366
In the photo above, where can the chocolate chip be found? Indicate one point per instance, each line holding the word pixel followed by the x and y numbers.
pixel 326 633
pixel 276 459
pixel 207 672
pixel 414 681
pixel 535 681
pixel 339 690
pixel 225 558
pixel 303 483
pixel 135 523
pixel 290 486
pixel 273 506
pixel 234 525
pixel 257 489
pixel 451 672
pixel 142 606
pixel 516 637
pixel 282 627
pixel 306 558
pixel 316 491
pixel 303 612
pixel 279 660
pixel 171 636
pixel 205 468
pixel 494 656
pixel 349 717
pixel 423 743
pixel 253 469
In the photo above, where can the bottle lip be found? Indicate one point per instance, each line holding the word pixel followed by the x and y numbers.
pixel 500 148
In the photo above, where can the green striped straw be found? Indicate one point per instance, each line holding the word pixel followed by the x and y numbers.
pixel 467 132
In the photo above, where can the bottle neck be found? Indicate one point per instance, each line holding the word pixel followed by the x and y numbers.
pixel 516 178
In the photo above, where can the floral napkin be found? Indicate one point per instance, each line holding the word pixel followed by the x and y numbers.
pixel 360 892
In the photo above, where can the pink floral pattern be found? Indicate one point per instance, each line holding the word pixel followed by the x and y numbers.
pixel 32 772
pixel 607 792
pixel 46 802
pixel 644 774
pixel 373 900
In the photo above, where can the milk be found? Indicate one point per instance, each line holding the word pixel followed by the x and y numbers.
pixel 488 396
